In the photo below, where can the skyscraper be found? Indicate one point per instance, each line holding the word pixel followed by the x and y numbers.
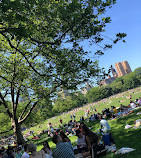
pixel 126 67
pixel 122 68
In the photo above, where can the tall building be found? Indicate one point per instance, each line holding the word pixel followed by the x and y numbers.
pixel 126 67
pixel 122 68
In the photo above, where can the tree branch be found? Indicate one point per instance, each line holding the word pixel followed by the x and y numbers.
pixel 57 41
pixel 42 42
pixel 24 110
pixel 7 130
pixel 12 46
pixel 29 112
pixel 6 93
pixel 12 97
pixel 5 105
pixel 5 78
pixel 17 99
pixel 43 75
pixel 36 55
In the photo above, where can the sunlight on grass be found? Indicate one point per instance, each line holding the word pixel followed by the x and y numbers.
pixel 123 137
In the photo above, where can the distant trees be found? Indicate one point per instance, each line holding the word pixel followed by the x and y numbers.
pixel 98 93
pixel 137 73
pixel 121 84
pixel 118 85
pixel 68 103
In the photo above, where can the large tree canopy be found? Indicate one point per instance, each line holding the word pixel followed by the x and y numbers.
pixel 40 50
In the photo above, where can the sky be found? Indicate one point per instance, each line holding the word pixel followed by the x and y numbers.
pixel 126 17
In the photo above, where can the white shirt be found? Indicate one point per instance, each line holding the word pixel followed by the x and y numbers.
pixel 133 105
pixel 105 125
pixel 25 155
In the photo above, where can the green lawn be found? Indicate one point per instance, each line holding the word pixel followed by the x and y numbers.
pixel 123 137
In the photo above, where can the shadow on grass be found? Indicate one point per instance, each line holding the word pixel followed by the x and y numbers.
pixel 127 137
pixel 123 137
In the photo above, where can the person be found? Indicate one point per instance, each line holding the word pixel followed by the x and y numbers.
pixel 139 101
pixel 61 121
pixel 81 139
pixel 47 150
pixel 132 105
pixel 19 152
pixel 35 154
pixel 92 140
pixel 64 137
pixel 10 153
pixel 63 149
pixel 104 125
pixel 115 111
pixel 130 96
pixel 106 130
pixel 26 151
pixel 83 118
pixel 81 143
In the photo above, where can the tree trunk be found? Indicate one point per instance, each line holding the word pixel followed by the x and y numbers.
pixel 18 133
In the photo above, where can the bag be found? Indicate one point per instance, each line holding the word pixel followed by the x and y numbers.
pixel 98 151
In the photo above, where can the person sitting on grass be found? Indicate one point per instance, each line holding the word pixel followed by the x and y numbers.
pixel 26 151
pixel 19 152
pixel 92 140
pixel 81 143
pixel 132 105
pixel 115 111
pixel 47 149
pixel 63 149
pixel 64 137
pixel 35 154
pixel 139 101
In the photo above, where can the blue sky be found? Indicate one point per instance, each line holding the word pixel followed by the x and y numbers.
pixel 126 17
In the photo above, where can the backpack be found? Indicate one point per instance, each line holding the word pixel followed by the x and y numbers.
pixel 98 151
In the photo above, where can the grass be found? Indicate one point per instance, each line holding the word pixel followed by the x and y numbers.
pixel 123 137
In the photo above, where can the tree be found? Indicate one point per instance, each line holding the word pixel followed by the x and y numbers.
pixel 73 100
pixel 118 85
pixel 98 93
pixel 40 44
pixel 131 80
pixel 137 73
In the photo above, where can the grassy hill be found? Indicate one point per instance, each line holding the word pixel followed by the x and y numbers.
pixel 123 137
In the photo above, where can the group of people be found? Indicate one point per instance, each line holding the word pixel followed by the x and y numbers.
pixel 88 142
pixel 117 112
pixel 23 151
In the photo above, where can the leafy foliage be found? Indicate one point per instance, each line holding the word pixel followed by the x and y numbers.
pixel 68 103
pixel 40 50
pixel 98 93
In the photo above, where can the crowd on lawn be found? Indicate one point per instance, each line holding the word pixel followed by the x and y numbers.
pixel 89 144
